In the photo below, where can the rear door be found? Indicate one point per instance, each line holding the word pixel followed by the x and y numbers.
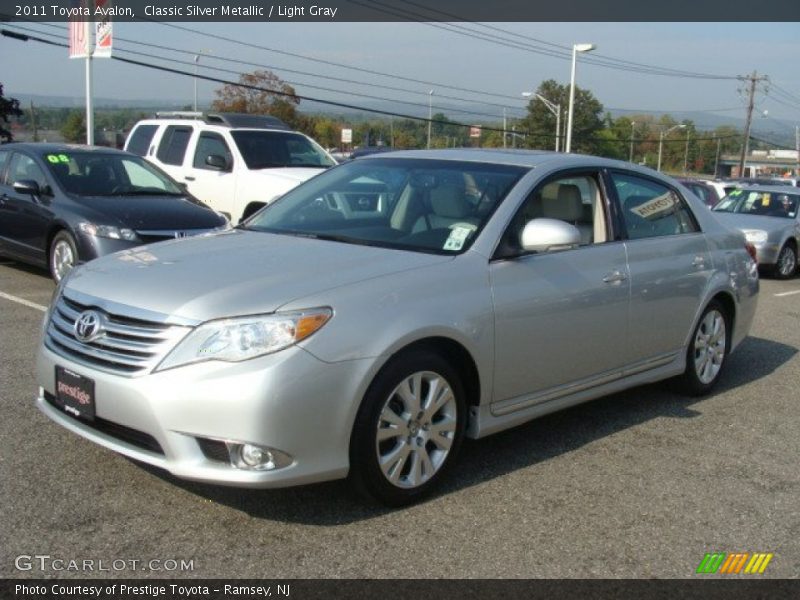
pixel 670 265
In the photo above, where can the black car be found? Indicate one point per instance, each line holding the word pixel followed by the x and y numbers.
pixel 62 205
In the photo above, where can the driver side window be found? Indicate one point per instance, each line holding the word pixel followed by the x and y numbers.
pixel 574 199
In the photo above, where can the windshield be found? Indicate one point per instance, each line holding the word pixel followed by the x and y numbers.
pixel 96 174
pixel 415 204
pixel 270 149
pixel 753 202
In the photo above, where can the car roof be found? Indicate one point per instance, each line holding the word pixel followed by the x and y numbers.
pixel 523 158
pixel 41 148
pixel 772 189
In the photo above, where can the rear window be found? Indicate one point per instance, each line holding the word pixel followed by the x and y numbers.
pixel 140 139
pixel 173 145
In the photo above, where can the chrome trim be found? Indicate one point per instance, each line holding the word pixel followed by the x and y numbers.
pixel 127 346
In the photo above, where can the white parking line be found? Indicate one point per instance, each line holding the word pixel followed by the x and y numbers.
pixel 782 294
pixel 22 301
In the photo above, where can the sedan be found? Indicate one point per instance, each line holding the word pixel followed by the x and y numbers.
pixel 64 205
pixel 768 217
pixel 373 317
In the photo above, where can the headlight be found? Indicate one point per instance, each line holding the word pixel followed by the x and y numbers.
pixel 243 338
pixel 108 231
pixel 755 235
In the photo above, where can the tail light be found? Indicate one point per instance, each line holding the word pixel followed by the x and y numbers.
pixel 751 250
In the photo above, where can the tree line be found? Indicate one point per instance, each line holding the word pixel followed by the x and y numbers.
pixel 595 131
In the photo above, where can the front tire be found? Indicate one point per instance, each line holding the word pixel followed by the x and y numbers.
pixel 63 255
pixel 707 351
pixel 408 430
pixel 786 265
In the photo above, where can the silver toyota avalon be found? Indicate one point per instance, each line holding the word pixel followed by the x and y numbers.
pixel 374 316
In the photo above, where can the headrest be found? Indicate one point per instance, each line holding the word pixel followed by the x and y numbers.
pixel 449 200
pixel 567 206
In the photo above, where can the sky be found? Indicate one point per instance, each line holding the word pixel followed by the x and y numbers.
pixel 438 58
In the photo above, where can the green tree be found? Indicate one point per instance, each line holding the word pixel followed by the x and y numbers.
pixel 74 128
pixel 9 107
pixel 256 94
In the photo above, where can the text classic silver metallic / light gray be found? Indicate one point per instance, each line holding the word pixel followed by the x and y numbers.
pixel 372 317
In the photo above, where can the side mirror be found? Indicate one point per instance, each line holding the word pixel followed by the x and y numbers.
pixel 549 235
pixel 27 186
pixel 218 162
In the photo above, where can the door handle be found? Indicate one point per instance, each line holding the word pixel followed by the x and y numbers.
pixel 699 261
pixel 615 277
pixel 189 178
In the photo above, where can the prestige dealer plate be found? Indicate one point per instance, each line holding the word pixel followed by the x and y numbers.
pixel 75 394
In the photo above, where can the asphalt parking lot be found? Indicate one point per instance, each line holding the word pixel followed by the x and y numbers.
pixel 639 484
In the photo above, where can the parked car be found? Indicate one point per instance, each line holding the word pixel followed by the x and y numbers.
pixel 768 216
pixel 235 163
pixel 327 337
pixel 710 192
pixel 63 205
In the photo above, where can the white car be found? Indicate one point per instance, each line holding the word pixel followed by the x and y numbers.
pixel 235 163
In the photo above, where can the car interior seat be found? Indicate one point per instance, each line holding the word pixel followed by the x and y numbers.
pixel 568 206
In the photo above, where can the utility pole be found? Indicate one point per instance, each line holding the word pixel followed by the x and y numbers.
pixel 33 123
pixel 716 160
pixel 505 135
pixel 686 154
pixel 754 79
pixel 797 146
pixel 633 128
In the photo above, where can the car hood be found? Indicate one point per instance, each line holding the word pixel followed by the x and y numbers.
pixel 741 221
pixel 153 212
pixel 234 273
pixel 291 175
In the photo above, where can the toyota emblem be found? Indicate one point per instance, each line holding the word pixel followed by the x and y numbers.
pixel 88 326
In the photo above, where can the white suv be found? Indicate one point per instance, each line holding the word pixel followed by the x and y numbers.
pixel 235 163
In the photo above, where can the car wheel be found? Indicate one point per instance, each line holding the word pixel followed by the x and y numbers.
pixel 786 264
pixel 707 351
pixel 63 255
pixel 408 429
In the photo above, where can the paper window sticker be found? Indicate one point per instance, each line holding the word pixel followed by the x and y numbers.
pixel 458 235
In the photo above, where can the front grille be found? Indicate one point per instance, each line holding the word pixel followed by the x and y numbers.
pixel 159 235
pixel 126 346
pixel 134 437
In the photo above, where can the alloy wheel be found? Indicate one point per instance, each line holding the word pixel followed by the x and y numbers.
pixel 63 259
pixel 416 429
pixel 709 346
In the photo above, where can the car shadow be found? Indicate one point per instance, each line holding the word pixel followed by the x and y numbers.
pixel 24 267
pixel 331 504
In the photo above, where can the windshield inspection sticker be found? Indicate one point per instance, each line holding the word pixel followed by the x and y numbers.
pixel 458 235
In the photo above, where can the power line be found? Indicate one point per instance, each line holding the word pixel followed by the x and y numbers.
pixel 465 31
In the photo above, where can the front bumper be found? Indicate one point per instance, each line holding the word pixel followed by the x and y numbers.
pixel 767 253
pixel 289 401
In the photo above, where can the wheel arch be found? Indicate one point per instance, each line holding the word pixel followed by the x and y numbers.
pixel 453 352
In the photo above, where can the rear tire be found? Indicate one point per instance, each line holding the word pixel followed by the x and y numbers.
pixel 708 351
pixel 786 265
pixel 63 255
pixel 408 429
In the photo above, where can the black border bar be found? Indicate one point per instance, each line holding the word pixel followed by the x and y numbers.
pixel 731 588
pixel 412 10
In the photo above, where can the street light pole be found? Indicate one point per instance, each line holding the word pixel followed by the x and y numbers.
pixel 196 61
pixel 686 154
pixel 575 49
pixel 553 108
pixel 661 141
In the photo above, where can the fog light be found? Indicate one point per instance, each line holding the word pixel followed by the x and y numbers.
pixel 256 458
pixel 253 456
